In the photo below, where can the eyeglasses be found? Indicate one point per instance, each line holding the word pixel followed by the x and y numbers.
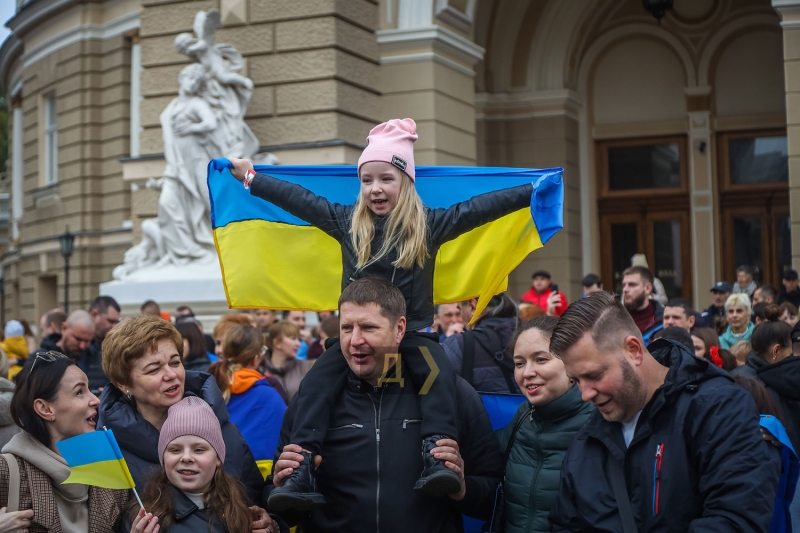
pixel 48 357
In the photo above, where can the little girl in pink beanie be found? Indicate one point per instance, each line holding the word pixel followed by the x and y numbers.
pixel 387 233
pixel 192 492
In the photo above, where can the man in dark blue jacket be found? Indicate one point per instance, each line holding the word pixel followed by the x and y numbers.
pixel 683 438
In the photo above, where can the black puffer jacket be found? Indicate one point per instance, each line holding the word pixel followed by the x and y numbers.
pixel 138 439
pixel 492 337
pixel 782 380
pixel 371 460
pixel 715 472
pixel 443 225
pixel 91 362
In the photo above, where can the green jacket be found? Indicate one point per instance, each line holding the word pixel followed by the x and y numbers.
pixel 534 464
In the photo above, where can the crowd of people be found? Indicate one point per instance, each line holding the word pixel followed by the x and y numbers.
pixel 632 412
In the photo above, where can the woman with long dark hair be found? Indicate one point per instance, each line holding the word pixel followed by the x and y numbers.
pixel 195 356
pixel 771 362
pixel 52 402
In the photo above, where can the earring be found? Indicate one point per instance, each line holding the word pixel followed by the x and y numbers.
pixel 128 394
pixel 53 419
pixel 572 381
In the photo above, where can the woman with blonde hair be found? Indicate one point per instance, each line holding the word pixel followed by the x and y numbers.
pixel 253 404
pixel 737 312
pixel 389 234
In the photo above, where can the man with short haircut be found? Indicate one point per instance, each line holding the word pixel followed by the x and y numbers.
pixel 183 310
pixel 790 293
pixel 264 318
pixel 105 313
pixel 720 292
pixel 450 321
pixel 765 294
pixel 592 284
pixel 298 318
pixel 371 457
pixel 637 286
pixel 50 325
pixel 76 334
pixel 679 439
pixel 678 312
pixel 150 307
pixel 744 281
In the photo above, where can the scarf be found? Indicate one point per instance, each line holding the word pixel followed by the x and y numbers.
pixel 72 500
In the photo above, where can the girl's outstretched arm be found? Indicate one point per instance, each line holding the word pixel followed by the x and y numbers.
pixel 297 200
pixel 447 224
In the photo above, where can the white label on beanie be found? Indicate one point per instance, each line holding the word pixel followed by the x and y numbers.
pixel 399 163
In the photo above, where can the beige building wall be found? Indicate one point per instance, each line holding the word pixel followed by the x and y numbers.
pixel 490 82
pixel 88 79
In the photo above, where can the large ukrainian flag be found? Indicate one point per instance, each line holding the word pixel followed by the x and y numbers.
pixel 272 259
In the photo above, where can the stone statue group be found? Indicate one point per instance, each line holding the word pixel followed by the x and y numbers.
pixel 205 120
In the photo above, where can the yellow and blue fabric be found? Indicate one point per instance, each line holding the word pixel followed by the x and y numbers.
pixel 95 459
pixel 272 259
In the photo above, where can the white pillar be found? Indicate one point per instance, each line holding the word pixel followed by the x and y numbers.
pixel 16 171
pixel 136 95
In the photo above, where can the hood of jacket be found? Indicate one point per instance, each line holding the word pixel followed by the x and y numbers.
pixel 244 379
pixel 6 393
pixel 505 327
pixel 783 377
pixel 137 435
pixel 50 342
pixel 16 347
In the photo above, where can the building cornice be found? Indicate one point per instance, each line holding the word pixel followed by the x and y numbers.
pixel 446 46
pixel 10 52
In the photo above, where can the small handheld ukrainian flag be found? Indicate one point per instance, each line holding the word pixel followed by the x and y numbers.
pixel 96 459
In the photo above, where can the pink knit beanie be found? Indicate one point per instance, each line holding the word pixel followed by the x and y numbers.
pixel 191 416
pixel 392 142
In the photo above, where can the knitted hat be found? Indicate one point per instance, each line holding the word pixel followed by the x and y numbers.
pixel 191 416
pixel 392 142
pixel 14 329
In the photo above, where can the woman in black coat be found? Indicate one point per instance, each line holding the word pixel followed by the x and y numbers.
pixel 771 362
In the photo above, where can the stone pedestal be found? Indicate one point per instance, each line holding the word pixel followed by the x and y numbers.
pixel 198 286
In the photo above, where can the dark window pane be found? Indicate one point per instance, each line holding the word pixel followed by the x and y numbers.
pixel 624 244
pixel 784 244
pixel 668 263
pixel 651 166
pixel 747 244
pixel 759 160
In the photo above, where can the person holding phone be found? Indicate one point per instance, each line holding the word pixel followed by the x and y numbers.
pixel 545 294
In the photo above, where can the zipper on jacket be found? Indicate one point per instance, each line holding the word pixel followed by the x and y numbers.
pixel 348 426
pixel 377 413
pixel 407 421
pixel 537 450
pixel 657 477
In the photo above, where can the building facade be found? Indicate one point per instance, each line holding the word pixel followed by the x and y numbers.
pixel 680 139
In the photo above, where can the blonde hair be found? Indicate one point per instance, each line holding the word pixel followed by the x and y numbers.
pixel 739 300
pixel 406 230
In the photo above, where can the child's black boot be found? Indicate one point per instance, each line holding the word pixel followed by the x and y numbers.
pixel 436 478
pixel 298 491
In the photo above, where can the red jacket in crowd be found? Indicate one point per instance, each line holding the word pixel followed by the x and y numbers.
pixel 533 297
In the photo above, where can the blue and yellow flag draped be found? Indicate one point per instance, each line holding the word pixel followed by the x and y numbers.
pixel 274 260
pixel 95 459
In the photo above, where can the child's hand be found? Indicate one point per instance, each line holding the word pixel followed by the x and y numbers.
pixel 240 167
pixel 145 523
pixel 16 522
pixel 447 450
pixel 289 460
